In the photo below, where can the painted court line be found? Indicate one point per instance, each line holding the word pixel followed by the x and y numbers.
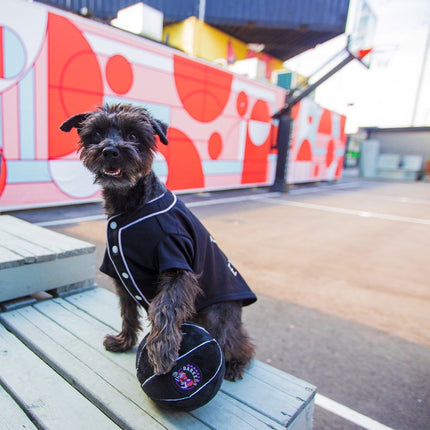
pixel 189 204
pixel 268 198
pixel 399 199
pixel 63 221
pixel 325 187
pixel 210 202
pixel 348 414
pixel 230 200
pixel 364 214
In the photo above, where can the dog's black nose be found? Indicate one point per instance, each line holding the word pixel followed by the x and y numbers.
pixel 110 152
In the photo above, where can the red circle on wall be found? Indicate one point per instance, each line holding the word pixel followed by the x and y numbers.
pixel 75 91
pixel 215 145
pixel 339 167
pixel 3 172
pixel 184 164
pixel 330 153
pixel 305 151
pixel 260 111
pixel 242 103
pixel 203 90
pixel 325 125
pixel 119 74
pixel 316 170
pixel 75 82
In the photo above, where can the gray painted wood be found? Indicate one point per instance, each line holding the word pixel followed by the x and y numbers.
pixel 34 259
pixel 286 394
pixel 20 281
pixel 92 332
pixel 12 417
pixel 110 388
pixel 50 401
pixel 69 338
pixel 31 238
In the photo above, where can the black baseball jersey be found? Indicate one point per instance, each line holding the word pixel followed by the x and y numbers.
pixel 164 234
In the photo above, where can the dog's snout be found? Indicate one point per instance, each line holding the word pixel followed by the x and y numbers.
pixel 110 152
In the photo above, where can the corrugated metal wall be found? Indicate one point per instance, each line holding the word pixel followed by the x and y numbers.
pixel 318 14
pixel 285 27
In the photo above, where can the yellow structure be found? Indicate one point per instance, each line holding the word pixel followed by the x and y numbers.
pixel 201 40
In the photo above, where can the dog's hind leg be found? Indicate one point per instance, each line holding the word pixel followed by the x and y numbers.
pixel 127 338
pixel 224 322
pixel 173 305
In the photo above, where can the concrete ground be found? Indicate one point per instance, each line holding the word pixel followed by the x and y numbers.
pixel 343 278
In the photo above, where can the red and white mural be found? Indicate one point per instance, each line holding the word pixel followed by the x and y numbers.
pixel 54 64
pixel 318 144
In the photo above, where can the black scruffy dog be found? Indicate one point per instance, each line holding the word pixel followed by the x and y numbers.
pixel 159 254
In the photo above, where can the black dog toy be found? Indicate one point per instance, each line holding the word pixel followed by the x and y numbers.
pixel 194 380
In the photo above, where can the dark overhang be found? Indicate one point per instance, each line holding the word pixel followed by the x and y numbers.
pixel 285 27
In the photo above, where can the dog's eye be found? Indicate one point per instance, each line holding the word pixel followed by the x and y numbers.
pixel 132 137
pixel 97 134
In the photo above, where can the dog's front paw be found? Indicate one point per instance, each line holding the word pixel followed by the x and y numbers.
pixel 119 343
pixel 162 356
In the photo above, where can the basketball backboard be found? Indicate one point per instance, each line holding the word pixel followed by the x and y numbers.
pixel 361 27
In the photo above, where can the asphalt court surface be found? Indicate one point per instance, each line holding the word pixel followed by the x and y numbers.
pixel 343 278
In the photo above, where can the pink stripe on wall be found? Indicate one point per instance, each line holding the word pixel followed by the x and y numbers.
pixel 41 103
pixel 10 111
pixel 1 54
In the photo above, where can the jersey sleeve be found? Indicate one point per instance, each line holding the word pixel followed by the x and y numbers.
pixel 174 252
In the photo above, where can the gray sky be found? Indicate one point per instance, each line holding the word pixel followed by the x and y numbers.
pixel 386 94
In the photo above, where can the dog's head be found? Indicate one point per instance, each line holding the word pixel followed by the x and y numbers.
pixel 117 142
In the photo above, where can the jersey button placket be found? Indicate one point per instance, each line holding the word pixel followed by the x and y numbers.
pixel 113 239
pixel 114 247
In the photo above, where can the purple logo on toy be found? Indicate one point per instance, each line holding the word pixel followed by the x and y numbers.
pixel 187 377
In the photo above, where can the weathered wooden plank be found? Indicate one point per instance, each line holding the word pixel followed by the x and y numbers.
pixel 12 417
pixel 34 259
pixel 115 391
pixel 9 258
pixel 100 304
pixel 31 278
pixel 59 243
pixel 286 382
pixel 226 413
pixel 46 397
pixel 29 251
pixel 86 328
pixel 285 394
pixel 265 398
pixel 304 418
pixel 92 331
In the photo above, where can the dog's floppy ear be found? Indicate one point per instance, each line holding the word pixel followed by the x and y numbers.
pixel 74 121
pixel 160 128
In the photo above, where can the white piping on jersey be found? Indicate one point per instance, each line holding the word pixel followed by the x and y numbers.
pixel 122 252
pixel 157 198
pixel 114 266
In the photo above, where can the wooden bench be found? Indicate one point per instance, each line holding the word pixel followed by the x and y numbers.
pixel 34 259
pixel 56 374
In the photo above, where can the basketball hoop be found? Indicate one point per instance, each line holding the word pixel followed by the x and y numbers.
pixel 361 26
pixel 363 52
